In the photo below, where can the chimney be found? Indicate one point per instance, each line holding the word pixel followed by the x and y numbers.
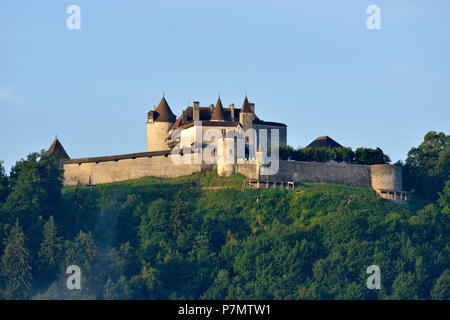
pixel 232 111
pixel 252 106
pixel 196 111
pixel 154 108
pixel 184 115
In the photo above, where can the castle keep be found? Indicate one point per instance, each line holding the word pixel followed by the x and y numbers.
pixel 173 150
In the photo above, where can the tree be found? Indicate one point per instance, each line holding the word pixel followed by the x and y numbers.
pixel 441 289
pixel 77 200
pixel 444 199
pixel 36 185
pixel 118 290
pixel 286 153
pixel 370 156
pixel 80 252
pixel 179 216
pixel 4 183
pixel 427 167
pixel 15 266
pixel 220 288
pixel 405 287
pixel 51 246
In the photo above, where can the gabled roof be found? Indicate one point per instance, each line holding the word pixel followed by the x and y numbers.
pixel 246 106
pixel 163 112
pixel 324 142
pixel 218 114
pixel 57 147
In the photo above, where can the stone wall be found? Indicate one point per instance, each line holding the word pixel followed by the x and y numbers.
pixel 98 172
pixel 299 171
pixel 91 171
pixel 249 170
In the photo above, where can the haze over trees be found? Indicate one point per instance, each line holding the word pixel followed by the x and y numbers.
pixel 175 238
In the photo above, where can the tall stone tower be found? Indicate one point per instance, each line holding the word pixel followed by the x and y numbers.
pixel 226 160
pixel 246 115
pixel 159 122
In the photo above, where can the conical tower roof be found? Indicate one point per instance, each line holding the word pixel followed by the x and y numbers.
pixel 164 113
pixel 246 106
pixel 218 114
pixel 57 147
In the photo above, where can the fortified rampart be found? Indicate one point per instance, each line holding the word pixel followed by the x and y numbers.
pixel 342 173
pixel 91 171
pixel 98 170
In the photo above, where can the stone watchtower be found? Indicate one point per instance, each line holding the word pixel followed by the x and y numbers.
pixel 226 159
pixel 246 116
pixel 159 121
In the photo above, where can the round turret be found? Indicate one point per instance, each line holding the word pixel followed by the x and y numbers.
pixel 386 177
pixel 159 122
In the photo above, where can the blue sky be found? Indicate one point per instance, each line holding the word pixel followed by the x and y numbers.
pixel 310 64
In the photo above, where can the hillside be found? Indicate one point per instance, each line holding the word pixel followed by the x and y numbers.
pixel 176 238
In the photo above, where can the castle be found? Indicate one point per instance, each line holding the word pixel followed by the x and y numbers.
pixel 240 139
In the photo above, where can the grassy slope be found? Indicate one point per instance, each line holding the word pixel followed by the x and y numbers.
pixel 307 201
pixel 349 226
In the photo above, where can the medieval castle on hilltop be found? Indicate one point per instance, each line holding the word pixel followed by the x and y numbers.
pixel 237 139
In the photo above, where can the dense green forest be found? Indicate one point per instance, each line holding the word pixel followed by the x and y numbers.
pixel 204 237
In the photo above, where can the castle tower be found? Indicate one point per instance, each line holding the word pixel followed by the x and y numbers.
pixel 226 161
pixel 246 115
pixel 159 122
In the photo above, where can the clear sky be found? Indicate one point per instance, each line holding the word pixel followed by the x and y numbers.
pixel 313 65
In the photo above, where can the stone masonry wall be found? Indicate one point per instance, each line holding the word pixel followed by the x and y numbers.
pixel 386 177
pixel 91 173
pixel 125 169
pixel 299 171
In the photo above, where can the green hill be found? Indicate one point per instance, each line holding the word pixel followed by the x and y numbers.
pixel 178 238
pixel 206 237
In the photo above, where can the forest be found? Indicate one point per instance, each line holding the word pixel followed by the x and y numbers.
pixel 204 237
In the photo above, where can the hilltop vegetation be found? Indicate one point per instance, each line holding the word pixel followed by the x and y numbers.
pixel 157 238
pixel 365 156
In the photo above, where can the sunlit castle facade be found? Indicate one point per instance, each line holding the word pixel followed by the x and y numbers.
pixel 165 131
